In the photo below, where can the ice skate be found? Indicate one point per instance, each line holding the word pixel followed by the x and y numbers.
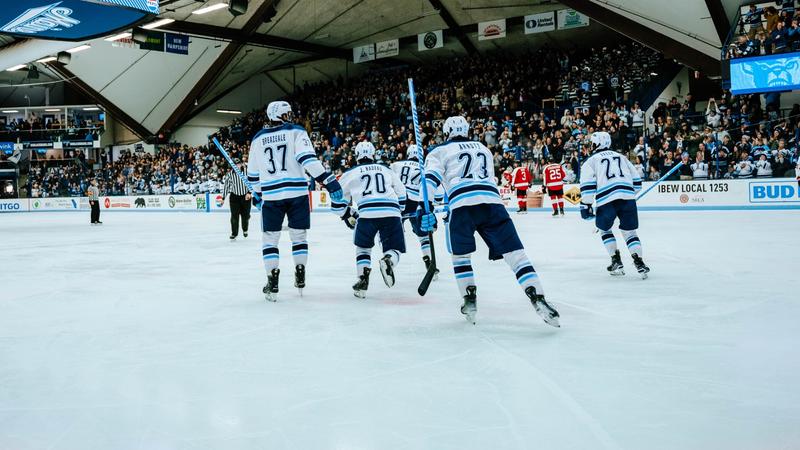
pixel 641 267
pixel 232 238
pixel 387 271
pixel 300 277
pixel 616 268
pixel 470 308
pixel 555 213
pixel 547 312
pixel 427 261
pixel 561 210
pixel 244 234
pixel 361 286
pixel 271 289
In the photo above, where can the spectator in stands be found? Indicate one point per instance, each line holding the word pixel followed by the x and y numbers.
pixel 781 165
pixel 744 167
pixel 752 18
pixel 699 168
pixel 779 38
pixel 763 167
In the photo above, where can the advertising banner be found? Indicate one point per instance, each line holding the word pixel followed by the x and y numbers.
pixel 386 49
pixel 430 40
pixel 569 18
pixel 56 204
pixel 14 205
pixel 540 23
pixel 364 53
pixel 774 191
pixel 493 29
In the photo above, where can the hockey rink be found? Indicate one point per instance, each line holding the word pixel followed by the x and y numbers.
pixel 150 332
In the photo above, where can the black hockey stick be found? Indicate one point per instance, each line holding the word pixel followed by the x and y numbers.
pixel 426 280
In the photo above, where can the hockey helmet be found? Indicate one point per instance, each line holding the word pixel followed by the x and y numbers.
pixel 455 126
pixel 601 140
pixel 365 150
pixel 277 110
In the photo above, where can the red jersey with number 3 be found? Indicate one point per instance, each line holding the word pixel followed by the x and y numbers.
pixel 521 178
pixel 554 176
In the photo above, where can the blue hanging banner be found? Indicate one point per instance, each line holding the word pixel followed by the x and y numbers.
pixel 177 43
pixel 71 20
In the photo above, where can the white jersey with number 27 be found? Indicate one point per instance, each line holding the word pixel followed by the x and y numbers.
pixel 607 176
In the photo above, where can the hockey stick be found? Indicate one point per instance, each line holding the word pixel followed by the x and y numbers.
pixel 426 281
pixel 677 166
pixel 233 165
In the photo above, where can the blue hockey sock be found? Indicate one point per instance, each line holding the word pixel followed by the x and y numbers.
pixel 269 249
pixel 633 242
pixel 462 267
pixel 609 241
pixel 299 246
pixel 523 269
pixel 363 260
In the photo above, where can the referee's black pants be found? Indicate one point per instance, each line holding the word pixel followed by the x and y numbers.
pixel 240 207
pixel 95 211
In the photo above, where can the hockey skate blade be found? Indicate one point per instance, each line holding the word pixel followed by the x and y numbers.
pixel 271 296
pixel 545 315
pixel 360 294
pixel 617 273
pixel 643 275
pixel 470 316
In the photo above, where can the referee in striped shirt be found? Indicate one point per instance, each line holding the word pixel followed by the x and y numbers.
pixel 240 200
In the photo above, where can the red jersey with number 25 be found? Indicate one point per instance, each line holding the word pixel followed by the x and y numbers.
pixel 554 176
pixel 521 177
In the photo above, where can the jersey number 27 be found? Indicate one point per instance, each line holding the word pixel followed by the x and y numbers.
pixel 609 167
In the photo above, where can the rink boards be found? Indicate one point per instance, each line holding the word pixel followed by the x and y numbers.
pixel 771 193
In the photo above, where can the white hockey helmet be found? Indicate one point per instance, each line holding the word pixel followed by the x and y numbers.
pixel 601 140
pixel 365 149
pixel 411 153
pixel 276 111
pixel 455 126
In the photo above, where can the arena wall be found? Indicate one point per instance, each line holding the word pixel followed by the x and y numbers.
pixel 768 193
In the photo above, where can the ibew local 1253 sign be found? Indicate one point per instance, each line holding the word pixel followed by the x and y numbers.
pixel 69 20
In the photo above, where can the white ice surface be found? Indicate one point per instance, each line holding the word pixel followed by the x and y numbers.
pixel 151 333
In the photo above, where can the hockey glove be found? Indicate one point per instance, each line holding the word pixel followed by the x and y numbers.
pixel 587 211
pixel 335 189
pixel 257 200
pixel 350 217
pixel 427 222
pixel 544 189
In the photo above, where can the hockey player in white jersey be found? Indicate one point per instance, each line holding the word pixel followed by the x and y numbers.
pixel 466 171
pixel 280 156
pixel 379 198
pixel 609 185
pixel 408 172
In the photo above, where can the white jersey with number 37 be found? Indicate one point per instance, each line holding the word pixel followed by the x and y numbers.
pixel 607 176
pixel 278 162
pixel 466 171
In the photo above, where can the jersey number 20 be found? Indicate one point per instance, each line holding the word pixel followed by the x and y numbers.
pixel 380 184
pixel 271 158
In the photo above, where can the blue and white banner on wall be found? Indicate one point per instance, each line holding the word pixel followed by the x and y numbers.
pixel 68 20
pixel 765 73
pixel 177 43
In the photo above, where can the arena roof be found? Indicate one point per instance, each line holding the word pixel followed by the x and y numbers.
pixel 312 40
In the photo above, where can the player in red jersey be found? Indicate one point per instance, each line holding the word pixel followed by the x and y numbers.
pixel 521 180
pixel 554 185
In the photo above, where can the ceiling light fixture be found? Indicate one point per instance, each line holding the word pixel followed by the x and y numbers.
pixel 91 108
pixel 10 111
pixel 52 110
pixel 228 111
pixel 79 48
pixel 117 37
pixel 208 9
pixel 46 59
pixel 157 23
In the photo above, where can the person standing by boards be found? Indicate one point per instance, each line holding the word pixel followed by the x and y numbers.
pixel 240 201
pixel 94 201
